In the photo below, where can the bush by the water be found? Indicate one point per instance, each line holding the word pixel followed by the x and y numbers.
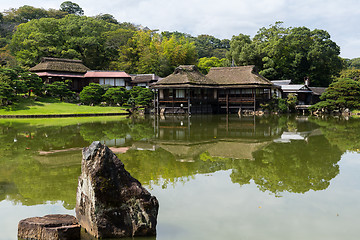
pixel 341 94
pixel 95 94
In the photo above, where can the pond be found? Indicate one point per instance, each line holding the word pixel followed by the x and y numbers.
pixel 216 177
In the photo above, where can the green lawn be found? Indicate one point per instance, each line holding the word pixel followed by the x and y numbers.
pixel 51 106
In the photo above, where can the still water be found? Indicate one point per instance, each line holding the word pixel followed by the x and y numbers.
pixel 216 177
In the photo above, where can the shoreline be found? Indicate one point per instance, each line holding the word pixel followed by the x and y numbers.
pixel 64 115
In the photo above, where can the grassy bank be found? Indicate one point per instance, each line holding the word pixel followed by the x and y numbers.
pixel 46 106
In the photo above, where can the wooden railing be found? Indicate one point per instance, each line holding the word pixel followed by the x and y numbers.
pixel 237 100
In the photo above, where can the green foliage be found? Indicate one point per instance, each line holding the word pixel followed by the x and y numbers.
pixel 141 96
pixel 353 63
pixel 22 81
pixel 280 104
pixel 116 95
pixel 32 83
pixel 291 102
pixel 71 8
pixel 341 94
pixel 289 53
pixel 7 94
pixel 92 94
pixel 149 52
pixel 107 18
pixel 209 46
pixel 26 13
pixel 206 63
pixel 59 89
pixel 352 73
pixel 72 37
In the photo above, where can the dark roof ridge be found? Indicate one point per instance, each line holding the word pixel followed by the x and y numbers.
pixel 51 59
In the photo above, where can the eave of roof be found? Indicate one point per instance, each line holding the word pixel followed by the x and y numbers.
pixel 107 74
pixel 60 74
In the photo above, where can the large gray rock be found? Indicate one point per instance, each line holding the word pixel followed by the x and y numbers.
pixel 110 203
pixel 56 226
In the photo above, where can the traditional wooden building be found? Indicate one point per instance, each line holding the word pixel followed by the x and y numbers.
pixel 223 90
pixel 111 78
pixel 305 94
pixel 144 80
pixel 241 87
pixel 57 69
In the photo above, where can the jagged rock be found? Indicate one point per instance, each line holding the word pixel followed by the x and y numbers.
pixel 110 203
pixel 56 226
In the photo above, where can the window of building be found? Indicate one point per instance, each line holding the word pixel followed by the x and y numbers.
pixel 247 91
pixel 119 82
pixel 180 93
pixel 109 81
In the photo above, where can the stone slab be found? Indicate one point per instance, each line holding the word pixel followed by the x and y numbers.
pixel 56 226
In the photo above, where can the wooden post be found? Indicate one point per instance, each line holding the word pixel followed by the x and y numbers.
pixel 227 101
pixel 254 92
pixel 158 103
pixel 173 109
pixel 189 103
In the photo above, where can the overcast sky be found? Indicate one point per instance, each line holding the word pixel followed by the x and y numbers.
pixel 225 18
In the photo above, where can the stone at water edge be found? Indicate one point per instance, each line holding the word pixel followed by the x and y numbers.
pixel 110 203
pixel 56 226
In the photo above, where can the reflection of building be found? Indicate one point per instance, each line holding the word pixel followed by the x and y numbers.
pixel 187 152
pixel 287 137
pixel 219 136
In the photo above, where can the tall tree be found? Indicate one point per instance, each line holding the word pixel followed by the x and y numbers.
pixel 107 18
pixel 71 8
pixel 289 53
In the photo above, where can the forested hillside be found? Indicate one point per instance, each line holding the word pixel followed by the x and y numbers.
pixel 103 42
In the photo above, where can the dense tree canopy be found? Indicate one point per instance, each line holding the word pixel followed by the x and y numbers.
pixel 289 53
pixel 150 52
pixel 26 13
pixel 72 37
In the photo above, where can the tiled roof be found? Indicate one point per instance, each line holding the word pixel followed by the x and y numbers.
pixel 144 78
pixel 295 88
pixel 107 74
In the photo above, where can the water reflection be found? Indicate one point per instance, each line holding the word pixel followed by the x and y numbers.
pixel 40 160
pixel 277 153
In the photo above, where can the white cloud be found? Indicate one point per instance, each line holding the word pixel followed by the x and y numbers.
pixel 226 18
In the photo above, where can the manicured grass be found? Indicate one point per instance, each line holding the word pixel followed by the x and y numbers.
pixel 48 106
